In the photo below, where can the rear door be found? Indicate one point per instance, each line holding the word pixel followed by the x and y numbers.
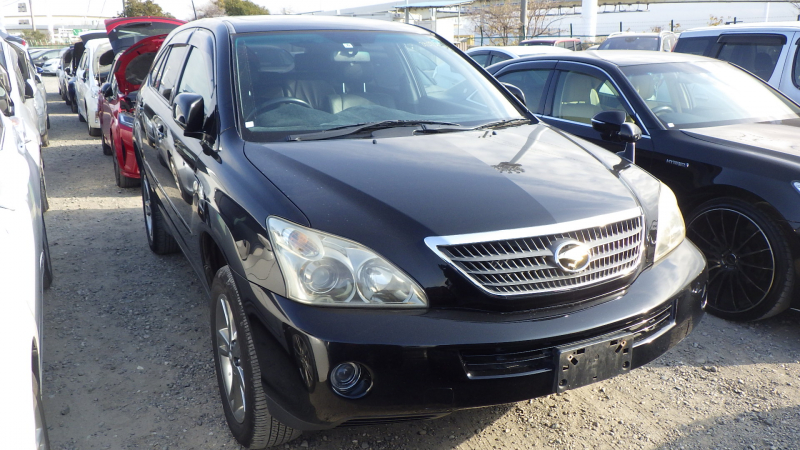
pixel 154 115
pixel 532 78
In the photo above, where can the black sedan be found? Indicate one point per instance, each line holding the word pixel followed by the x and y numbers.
pixel 723 140
pixel 387 234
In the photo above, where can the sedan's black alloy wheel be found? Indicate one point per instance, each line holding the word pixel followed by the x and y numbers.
pixel 749 261
pixel 238 371
pixel 158 237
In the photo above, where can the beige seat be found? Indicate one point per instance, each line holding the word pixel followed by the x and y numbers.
pixel 579 100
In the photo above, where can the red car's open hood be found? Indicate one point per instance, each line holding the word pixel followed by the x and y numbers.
pixel 135 62
pixel 123 32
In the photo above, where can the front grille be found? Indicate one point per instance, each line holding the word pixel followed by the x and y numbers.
pixel 524 265
pixel 504 363
pixel 514 360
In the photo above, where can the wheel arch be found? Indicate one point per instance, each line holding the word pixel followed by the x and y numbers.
pixel 701 195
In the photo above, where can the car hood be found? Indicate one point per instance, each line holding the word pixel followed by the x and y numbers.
pixel 780 136
pixel 444 184
pixel 123 32
pixel 135 62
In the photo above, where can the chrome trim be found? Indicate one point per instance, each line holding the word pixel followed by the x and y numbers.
pixel 434 242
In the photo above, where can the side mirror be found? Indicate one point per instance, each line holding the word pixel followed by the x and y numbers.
pixel 39 69
pixel 38 78
pixel 612 127
pixel 28 89
pixel 188 113
pixel 45 58
pixel 107 91
pixel 517 92
pixel 6 104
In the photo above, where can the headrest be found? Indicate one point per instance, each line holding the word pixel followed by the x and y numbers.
pixel 271 59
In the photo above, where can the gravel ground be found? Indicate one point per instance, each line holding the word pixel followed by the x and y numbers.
pixel 127 359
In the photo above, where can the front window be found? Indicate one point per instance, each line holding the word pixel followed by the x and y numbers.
pixel 702 94
pixel 630 43
pixel 291 83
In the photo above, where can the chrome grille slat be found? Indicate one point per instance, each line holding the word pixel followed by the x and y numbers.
pixel 523 263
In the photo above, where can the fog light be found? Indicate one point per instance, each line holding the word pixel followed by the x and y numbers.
pixel 351 380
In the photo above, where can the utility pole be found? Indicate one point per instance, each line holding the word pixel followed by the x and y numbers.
pixel 123 9
pixel 193 9
pixel 406 11
pixel 523 18
pixel 33 21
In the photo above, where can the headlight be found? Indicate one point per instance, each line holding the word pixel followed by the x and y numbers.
pixel 796 185
pixel 322 269
pixel 126 119
pixel 671 229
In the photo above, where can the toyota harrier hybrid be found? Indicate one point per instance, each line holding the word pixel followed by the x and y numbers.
pixel 381 242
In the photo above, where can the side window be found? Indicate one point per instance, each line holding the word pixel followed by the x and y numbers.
pixel 532 82
pixel 155 73
pixel 172 70
pixel 695 45
pixel 757 54
pixel 498 57
pixel 796 68
pixel 196 78
pixel 580 96
pixel 481 58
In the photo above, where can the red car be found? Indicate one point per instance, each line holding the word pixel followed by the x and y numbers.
pixel 135 42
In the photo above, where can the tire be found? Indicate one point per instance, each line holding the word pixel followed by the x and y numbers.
pixel 106 148
pixel 80 117
pixel 238 371
pixel 74 106
pixel 43 191
pixel 47 276
pixel 750 265
pixel 158 237
pixel 46 138
pixel 122 180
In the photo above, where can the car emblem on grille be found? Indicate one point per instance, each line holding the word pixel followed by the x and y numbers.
pixel 572 256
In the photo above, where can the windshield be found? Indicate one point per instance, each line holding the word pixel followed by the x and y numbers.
pixel 702 94
pixel 630 43
pixel 299 82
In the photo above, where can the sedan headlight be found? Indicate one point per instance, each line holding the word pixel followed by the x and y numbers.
pixel 671 229
pixel 323 269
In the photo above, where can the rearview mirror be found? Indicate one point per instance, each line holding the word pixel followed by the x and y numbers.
pixel 188 114
pixel 107 90
pixel 612 127
pixel 6 104
pixel 28 89
pixel 517 92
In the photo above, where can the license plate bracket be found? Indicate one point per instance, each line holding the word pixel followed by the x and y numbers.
pixel 588 362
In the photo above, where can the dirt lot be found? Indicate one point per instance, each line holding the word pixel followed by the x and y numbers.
pixel 128 362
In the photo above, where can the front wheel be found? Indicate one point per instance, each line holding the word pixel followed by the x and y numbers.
pixel 238 371
pixel 750 270
pixel 158 237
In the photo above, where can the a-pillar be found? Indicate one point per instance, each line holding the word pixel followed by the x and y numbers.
pixel 589 19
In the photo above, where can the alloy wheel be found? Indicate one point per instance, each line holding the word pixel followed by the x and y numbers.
pixel 148 208
pixel 229 353
pixel 741 261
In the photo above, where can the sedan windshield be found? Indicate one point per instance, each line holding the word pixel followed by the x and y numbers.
pixel 291 83
pixel 707 93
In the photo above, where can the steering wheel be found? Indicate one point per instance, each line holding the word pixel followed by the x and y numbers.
pixel 274 103
pixel 663 109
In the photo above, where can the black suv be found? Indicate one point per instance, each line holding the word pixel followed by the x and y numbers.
pixel 387 234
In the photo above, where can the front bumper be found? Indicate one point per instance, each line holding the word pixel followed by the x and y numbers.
pixel 427 363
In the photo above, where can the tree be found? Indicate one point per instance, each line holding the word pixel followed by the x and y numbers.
pixel 501 20
pixel 35 37
pixel 210 9
pixel 242 8
pixel 135 8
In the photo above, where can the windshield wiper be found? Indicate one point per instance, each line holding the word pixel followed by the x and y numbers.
pixel 346 130
pixel 503 123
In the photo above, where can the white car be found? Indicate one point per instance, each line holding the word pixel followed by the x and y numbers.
pixel 767 50
pixel 25 270
pixel 90 75
pixel 488 55
pixel 23 109
pixel 39 105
